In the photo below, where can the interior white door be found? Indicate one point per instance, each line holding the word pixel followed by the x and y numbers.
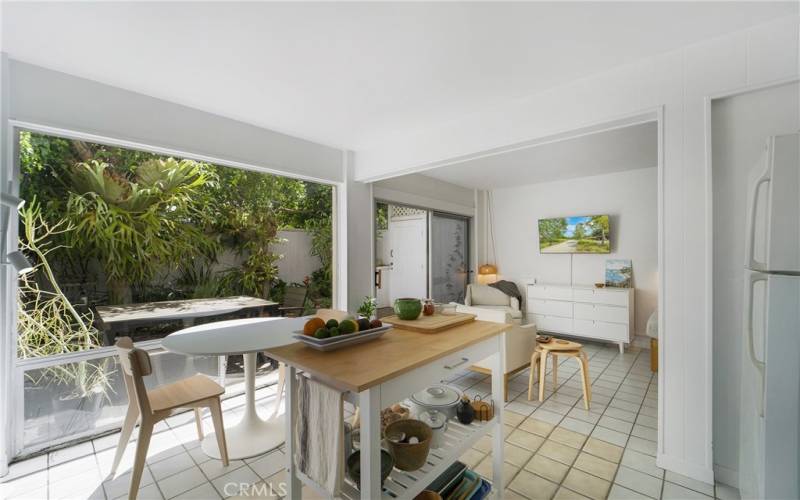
pixel 409 253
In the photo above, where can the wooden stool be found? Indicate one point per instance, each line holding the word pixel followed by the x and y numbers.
pixel 555 348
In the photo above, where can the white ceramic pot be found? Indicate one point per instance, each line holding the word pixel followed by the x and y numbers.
pixel 441 398
pixel 437 421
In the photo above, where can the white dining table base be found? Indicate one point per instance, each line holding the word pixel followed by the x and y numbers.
pixel 252 435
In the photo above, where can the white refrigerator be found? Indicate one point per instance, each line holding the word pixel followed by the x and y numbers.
pixel 769 460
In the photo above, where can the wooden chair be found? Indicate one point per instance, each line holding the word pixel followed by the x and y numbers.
pixel 148 407
pixel 554 349
pixel 294 301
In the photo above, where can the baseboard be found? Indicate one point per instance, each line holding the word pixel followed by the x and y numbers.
pixel 641 341
pixel 688 469
pixel 726 475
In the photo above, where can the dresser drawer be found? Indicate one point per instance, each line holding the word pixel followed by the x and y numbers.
pixel 550 307
pixel 600 296
pixel 601 330
pixel 549 292
pixel 599 312
pixel 545 323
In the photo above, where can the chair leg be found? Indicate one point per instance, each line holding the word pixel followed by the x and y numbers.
pixel 198 419
pixel 505 387
pixel 542 368
pixel 555 372
pixel 142 444
pixel 219 429
pixel 281 385
pixel 131 417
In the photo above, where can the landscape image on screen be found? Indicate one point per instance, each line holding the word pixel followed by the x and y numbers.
pixel 586 234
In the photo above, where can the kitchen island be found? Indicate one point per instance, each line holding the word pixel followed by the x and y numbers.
pixel 377 374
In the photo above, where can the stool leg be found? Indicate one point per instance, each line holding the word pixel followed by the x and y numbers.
pixel 584 381
pixel 534 361
pixel 542 368
pixel 585 360
pixel 555 372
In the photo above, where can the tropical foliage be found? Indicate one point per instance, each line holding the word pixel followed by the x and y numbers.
pixel 122 226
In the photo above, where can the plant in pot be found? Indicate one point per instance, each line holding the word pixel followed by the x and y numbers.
pixel 368 307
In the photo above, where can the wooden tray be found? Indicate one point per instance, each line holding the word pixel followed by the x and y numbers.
pixel 430 324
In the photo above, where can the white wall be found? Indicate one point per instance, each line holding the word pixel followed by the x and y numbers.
pixel 740 126
pixel 426 192
pixel 680 81
pixel 296 262
pixel 360 239
pixel 629 198
pixel 55 99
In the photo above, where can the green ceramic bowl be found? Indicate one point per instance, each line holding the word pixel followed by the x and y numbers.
pixel 407 309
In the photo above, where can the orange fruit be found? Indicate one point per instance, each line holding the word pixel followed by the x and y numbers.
pixel 312 326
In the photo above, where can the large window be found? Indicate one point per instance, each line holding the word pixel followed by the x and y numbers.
pixel 128 242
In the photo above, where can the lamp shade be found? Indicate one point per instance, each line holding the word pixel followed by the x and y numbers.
pixel 487 269
pixel 9 200
pixel 19 262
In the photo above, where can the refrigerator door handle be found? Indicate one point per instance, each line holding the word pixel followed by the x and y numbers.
pixel 765 177
pixel 752 279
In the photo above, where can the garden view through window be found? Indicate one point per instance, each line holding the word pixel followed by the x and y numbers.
pixel 128 242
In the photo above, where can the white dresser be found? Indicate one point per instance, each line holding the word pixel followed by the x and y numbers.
pixel 583 311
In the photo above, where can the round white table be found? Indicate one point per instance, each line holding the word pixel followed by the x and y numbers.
pixel 252 435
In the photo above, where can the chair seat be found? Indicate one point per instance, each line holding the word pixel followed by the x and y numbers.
pixel 184 392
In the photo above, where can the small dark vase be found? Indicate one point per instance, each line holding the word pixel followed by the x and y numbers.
pixel 465 412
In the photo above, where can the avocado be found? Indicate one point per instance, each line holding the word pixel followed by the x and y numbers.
pixel 332 323
pixel 363 324
pixel 335 332
pixel 322 333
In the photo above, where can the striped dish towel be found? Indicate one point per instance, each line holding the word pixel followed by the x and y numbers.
pixel 319 434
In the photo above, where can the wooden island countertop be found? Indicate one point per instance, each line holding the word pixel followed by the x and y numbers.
pixel 398 351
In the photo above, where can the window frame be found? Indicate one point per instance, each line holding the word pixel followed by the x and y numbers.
pixel 14 390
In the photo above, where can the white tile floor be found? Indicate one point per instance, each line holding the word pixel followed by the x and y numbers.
pixel 555 449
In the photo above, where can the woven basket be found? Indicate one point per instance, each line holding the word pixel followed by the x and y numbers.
pixel 409 456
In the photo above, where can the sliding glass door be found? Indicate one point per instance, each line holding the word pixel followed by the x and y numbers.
pixel 449 259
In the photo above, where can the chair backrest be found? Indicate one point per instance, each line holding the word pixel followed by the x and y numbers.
pixel 295 296
pixel 135 365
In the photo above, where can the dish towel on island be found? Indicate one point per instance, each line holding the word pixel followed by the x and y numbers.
pixel 319 434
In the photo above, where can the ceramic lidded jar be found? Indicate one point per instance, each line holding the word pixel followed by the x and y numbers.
pixel 437 421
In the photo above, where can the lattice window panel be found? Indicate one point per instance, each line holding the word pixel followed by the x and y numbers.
pixel 399 211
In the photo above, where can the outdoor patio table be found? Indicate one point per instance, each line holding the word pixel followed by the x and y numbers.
pixel 252 435
pixel 116 318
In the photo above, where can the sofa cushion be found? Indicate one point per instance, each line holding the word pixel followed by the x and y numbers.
pixel 484 295
pixel 514 313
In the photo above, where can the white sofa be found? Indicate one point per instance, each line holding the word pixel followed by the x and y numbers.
pixel 490 304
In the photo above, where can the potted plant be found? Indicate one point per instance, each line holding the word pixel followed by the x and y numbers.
pixel 368 307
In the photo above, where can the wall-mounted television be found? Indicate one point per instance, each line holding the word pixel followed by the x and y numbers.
pixel 583 234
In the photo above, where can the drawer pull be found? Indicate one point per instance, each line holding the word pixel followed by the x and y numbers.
pixel 463 360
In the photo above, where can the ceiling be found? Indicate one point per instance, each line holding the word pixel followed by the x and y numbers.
pixel 616 150
pixel 355 74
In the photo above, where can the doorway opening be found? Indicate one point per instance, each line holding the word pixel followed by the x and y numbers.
pixel 419 253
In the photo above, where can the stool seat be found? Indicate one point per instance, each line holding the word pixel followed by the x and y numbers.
pixel 555 348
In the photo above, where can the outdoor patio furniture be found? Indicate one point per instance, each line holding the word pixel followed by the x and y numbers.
pixel 294 301
pixel 148 407
pixel 113 320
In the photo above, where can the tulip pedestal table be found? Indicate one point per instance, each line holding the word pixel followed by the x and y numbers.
pixel 252 435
